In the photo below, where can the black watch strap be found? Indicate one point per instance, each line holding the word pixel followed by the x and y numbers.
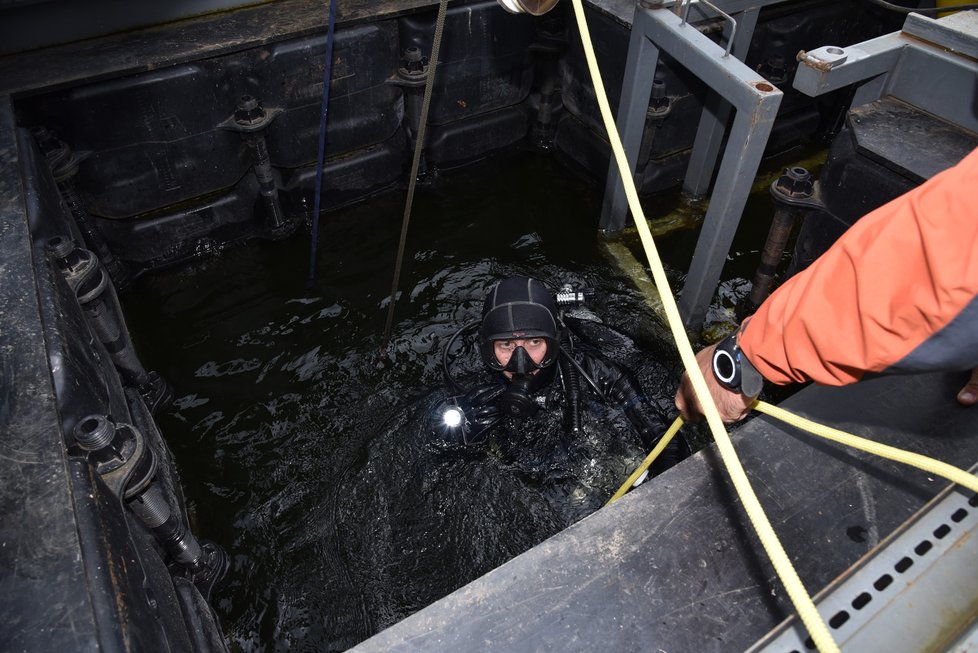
pixel 733 370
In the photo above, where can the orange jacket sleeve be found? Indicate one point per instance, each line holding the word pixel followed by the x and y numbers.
pixel 896 293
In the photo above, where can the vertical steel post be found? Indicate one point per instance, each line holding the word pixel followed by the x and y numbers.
pixel 716 113
pixel 756 103
pixel 643 57
pixel 748 138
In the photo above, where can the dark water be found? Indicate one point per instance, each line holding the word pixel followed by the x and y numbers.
pixel 307 454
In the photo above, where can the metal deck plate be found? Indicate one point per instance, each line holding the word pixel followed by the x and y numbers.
pixel 916 592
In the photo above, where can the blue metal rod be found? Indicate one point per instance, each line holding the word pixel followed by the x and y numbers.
pixel 327 74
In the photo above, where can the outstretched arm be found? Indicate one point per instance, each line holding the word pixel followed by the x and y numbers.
pixel 898 292
pixel 732 405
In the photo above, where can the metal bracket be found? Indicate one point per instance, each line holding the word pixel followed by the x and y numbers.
pixel 918 583
pixel 929 64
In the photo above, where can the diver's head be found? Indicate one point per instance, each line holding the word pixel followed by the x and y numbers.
pixel 519 332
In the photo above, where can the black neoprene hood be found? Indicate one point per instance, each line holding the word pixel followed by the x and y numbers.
pixel 519 307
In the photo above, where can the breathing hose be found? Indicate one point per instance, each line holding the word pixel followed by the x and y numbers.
pixel 779 558
pixel 321 151
pixel 446 365
pixel 572 383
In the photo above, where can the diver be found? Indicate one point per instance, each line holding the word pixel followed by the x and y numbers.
pixel 539 363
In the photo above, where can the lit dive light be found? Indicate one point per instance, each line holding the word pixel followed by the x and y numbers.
pixel 449 421
pixel 534 7
pixel 452 417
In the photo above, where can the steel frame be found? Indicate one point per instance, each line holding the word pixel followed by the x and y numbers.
pixel 754 100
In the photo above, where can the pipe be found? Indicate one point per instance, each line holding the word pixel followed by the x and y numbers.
pixel 659 108
pixel 119 451
pixel 63 162
pixel 793 193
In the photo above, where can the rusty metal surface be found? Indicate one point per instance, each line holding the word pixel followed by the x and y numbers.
pixel 182 41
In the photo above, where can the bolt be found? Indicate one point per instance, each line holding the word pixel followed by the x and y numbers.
pixel 795 182
pixel 413 63
pixel 94 433
pixel 659 99
pixel 249 111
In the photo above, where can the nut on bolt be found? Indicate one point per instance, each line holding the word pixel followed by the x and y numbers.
pixel 249 111
pixel 796 182
pixel 413 63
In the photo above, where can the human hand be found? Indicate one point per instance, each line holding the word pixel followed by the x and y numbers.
pixel 482 411
pixel 968 396
pixel 732 405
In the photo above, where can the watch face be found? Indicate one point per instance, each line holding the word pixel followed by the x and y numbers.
pixel 724 366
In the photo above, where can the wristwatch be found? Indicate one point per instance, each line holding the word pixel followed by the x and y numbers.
pixel 733 370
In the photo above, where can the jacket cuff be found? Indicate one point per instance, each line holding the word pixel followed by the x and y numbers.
pixel 751 381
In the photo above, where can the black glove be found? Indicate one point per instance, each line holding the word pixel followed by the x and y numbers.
pixel 676 451
pixel 467 419
pixel 481 411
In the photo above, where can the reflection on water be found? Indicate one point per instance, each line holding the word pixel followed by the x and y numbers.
pixel 305 452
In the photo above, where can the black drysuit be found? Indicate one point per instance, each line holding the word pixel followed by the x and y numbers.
pixel 582 374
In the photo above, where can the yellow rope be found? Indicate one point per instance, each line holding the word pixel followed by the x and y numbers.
pixel 769 539
pixel 666 439
pixel 936 467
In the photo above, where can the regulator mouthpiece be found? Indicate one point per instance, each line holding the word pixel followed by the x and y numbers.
pixel 534 7
pixel 516 401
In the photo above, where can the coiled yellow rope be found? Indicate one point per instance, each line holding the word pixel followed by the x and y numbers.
pixel 769 539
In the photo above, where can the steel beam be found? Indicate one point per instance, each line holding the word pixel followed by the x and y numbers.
pixel 745 147
pixel 929 64
pixel 831 67
pixel 640 65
